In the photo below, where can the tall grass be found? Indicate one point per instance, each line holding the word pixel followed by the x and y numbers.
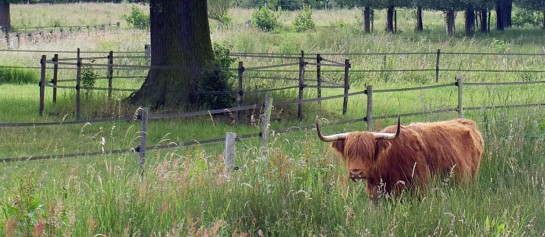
pixel 297 187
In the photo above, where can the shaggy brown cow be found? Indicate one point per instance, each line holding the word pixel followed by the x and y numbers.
pixel 407 157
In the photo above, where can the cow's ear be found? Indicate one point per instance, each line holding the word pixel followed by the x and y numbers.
pixel 381 147
pixel 338 146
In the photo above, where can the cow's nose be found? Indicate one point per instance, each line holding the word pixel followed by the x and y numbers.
pixel 355 171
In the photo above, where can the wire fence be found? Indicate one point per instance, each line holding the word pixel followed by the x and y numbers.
pixel 33 35
pixel 299 76
pixel 369 119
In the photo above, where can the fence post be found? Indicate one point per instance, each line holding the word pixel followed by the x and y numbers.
pixel 42 84
pixel 369 116
pixel 240 92
pixel 78 85
pixel 319 76
pixel 437 60
pixel 301 85
pixel 265 122
pixel 229 154
pixel 55 76
pixel 346 84
pixel 110 73
pixel 460 85
pixel 143 116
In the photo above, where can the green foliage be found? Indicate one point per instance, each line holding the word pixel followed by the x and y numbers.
pixel 137 19
pixel 265 19
pixel 88 78
pixel 18 76
pixel 289 5
pixel 225 19
pixel 524 17
pixel 24 210
pixel 217 79
pixel 303 21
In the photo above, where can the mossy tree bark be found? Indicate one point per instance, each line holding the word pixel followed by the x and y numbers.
pixel 180 50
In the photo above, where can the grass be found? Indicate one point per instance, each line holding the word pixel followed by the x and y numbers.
pixel 297 187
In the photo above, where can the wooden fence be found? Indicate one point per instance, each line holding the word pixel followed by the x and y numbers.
pixel 232 138
pixel 34 35
pixel 301 63
pixel 302 82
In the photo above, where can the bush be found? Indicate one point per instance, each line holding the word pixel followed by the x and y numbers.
pixel 523 17
pixel 303 21
pixel 137 19
pixel 265 19
pixel 18 76
pixel 217 79
pixel 88 78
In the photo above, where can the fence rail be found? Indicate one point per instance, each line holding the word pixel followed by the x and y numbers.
pixel 369 119
pixel 301 79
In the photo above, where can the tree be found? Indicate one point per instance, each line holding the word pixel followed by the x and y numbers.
pixel 419 20
pixel 449 7
pixel 368 5
pixel 181 48
pixel 5 21
pixel 503 14
pixel 476 5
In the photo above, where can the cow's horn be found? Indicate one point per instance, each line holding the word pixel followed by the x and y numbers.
pixel 330 138
pixel 389 136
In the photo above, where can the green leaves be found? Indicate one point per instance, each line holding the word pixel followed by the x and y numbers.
pixel 265 19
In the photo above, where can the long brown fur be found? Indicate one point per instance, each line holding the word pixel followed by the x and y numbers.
pixel 421 152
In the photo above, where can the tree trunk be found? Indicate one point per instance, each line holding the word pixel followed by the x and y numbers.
pixel 367 19
pixel 484 20
pixel 469 20
pixel 500 23
pixel 181 45
pixel 390 19
pixel 450 22
pixel 5 21
pixel 507 13
pixel 419 23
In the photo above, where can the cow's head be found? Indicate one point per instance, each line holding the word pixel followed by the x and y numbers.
pixel 360 150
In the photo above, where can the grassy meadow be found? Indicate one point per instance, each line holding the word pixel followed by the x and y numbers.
pixel 295 187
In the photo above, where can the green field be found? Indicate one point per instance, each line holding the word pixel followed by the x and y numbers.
pixel 296 187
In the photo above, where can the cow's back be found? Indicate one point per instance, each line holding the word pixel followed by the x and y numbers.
pixel 452 147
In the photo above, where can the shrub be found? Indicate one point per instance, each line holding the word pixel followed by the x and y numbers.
pixel 265 19
pixel 88 78
pixel 303 20
pixel 225 19
pixel 137 19
pixel 217 79
pixel 18 76
pixel 523 17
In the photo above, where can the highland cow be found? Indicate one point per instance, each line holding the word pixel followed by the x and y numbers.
pixel 407 158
